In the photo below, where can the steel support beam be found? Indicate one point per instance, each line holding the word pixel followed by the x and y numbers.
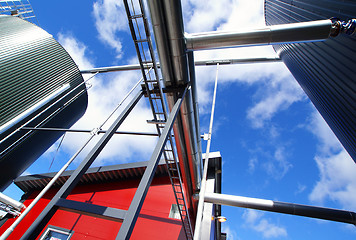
pixel 276 34
pixel 41 221
pixel 141 192
pixel 282 207
pixel 93 210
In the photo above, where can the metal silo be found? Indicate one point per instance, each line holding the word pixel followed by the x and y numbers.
pixel 40 86
pixel 325 70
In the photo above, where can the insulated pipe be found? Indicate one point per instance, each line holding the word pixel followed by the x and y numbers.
pixel 12 202
pixel 282 207
pixel 176 40
pixel 171 48
pixel 160 34
pixel 276 34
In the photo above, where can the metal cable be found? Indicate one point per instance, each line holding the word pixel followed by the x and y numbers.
pixel 54 157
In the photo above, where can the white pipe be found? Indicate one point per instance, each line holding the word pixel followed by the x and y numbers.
pixel 282 207
pixel 196 63
pixel 276 34
pixel 33 109
pixel 205 171
pixel 12 202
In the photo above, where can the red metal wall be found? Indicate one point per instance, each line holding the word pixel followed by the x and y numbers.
pixel 153 222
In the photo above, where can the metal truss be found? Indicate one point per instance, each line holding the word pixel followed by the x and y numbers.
pixel 20 8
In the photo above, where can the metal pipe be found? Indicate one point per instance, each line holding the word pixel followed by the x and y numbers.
pixel 87 131
pixel 276 34
pixel 116 68
pixel 205 169
pixel 171 48
pixel 160 33
pixel 176 40
pixel 196 63
pixel 237 61
pixel 12 202
pixel 282 207
pixel 27 113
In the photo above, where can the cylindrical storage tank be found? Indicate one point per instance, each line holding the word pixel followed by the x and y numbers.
pixel 40 86
pixel 325 70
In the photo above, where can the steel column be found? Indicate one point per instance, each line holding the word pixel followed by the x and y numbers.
pixel 282 207
pixel 141 192
pixel 65 190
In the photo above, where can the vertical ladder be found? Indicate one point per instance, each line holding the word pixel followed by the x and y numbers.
pixel 142 39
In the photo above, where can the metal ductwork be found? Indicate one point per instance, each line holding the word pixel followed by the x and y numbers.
pixel 177 68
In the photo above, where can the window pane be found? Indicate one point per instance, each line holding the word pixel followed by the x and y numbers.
pixel 52 235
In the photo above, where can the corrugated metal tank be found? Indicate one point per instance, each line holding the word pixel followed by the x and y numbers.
pixel 40 86
pixel 325 70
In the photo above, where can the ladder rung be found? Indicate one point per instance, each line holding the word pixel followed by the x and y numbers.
pixel 136 16
pixel 156 121
pixel 141 40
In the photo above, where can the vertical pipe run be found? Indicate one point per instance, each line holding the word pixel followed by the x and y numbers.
pixel 205 171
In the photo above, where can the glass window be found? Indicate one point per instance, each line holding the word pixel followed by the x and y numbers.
pixel 174 213
pixel 54 233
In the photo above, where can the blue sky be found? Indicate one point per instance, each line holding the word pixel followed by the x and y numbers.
pixel 273 143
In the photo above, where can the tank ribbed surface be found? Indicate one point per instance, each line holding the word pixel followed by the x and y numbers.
pixel 40 86
pixel 32 66
pixel 325 70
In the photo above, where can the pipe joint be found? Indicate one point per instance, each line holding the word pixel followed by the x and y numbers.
pixel 345 27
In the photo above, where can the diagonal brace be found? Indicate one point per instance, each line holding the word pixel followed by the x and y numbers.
pixel 41 221
pixel 141 192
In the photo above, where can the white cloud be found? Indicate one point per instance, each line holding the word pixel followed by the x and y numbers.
pixel 278 97
pixel 255 220
pixel 110 18
pixel 300 188
pixel 328 143
pixel 252 164
pixel 230 234
pixel 337 180
pixel 271 158
pixel 106 92
pixel 76 49
pixel 205 15
pixel 277 89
